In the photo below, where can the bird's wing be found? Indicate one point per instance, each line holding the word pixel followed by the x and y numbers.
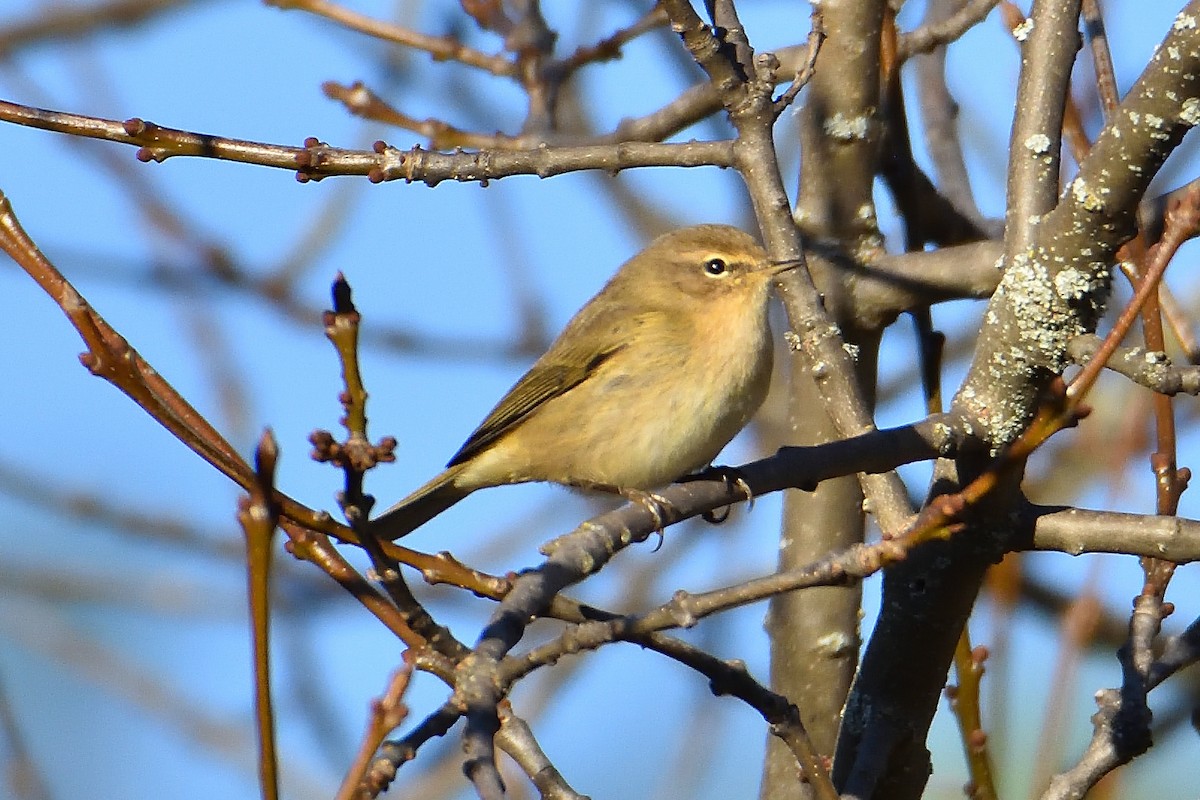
pixel 564 366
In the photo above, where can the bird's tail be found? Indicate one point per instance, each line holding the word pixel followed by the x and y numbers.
pixel 421 506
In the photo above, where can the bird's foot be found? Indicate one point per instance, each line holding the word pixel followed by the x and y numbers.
pixel 658 506
pixel 730 476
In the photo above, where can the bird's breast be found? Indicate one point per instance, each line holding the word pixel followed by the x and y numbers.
pixel 662 408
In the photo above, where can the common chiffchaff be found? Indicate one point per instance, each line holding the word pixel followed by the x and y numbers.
pixel 645 385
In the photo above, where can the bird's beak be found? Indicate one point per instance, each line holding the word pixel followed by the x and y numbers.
pixel 776 267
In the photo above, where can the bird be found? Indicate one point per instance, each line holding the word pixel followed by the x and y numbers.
pixel 644 386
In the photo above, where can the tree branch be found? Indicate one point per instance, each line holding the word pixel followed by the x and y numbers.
pixel 1152 369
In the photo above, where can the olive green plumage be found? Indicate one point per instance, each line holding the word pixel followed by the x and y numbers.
pixel 645 384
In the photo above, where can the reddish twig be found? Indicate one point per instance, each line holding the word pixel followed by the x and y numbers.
pixel 258 515
pixel 441 48
pixel 610 46
pixel 387 712
pixel 965 702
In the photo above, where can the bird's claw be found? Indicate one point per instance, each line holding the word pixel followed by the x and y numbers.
pixel 716 516
pixel 729 476
pixel 658 506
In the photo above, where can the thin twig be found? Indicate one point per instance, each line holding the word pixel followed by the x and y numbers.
pixel 931 36
pixel 965 701
pixel 387 712
pixel 316 160
pixel 258 515
pixel 441 48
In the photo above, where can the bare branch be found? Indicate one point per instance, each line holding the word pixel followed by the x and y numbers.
pixel 939 112
pixel 69 23
pixel 1152 369
pixel 1060 285
pixel 317 160
pixel 1077 531
pixel 934 34
pixel 1049 42
pixel 441 48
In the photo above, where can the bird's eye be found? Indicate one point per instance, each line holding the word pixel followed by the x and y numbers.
pixel 715 266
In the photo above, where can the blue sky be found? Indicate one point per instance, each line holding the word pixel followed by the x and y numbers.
pixel 446 263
